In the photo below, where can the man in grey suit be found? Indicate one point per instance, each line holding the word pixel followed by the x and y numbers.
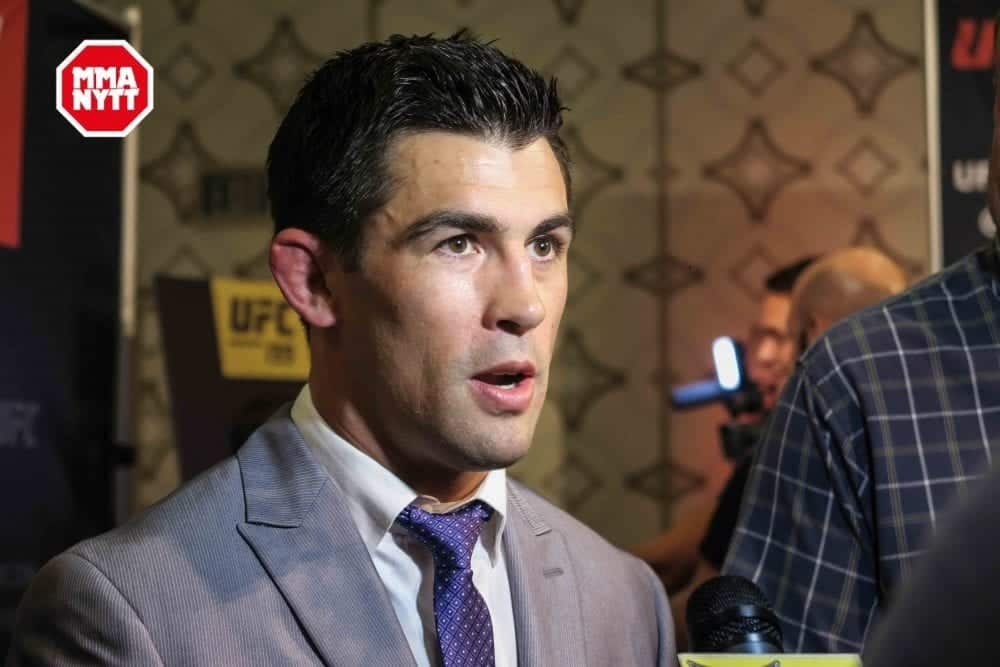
pixel 419 189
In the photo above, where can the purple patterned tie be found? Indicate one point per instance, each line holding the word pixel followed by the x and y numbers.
pixel 465 633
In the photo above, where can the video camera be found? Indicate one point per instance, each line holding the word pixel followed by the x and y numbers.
pixel 733 388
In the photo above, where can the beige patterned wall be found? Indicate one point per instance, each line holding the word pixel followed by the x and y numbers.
pixel 713 142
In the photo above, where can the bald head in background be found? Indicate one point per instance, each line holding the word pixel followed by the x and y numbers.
pixel 837 285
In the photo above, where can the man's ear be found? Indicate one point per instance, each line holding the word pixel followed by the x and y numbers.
pixel 296 263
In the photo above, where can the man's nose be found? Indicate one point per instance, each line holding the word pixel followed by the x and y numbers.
pixel 515 305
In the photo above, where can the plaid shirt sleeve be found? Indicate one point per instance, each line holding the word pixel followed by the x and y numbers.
pixel 805 529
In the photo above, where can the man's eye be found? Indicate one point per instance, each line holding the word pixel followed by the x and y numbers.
pixel 458 244
pixel 547 246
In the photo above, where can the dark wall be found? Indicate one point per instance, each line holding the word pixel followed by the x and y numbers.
pixel 58 327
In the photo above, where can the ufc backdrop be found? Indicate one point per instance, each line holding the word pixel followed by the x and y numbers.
pixel 59 268
pixel 965 32
pixel 235 352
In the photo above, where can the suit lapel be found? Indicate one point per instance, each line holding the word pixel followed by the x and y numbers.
pixel 298 526
pixel 544 590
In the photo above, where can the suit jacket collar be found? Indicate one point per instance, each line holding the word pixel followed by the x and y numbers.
pixel 543 587
pixel 297 525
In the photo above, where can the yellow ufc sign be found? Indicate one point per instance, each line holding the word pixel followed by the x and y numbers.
pixel 259 336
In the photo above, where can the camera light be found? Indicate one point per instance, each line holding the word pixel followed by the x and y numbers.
pixel 727 365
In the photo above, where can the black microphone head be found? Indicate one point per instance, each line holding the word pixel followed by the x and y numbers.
pixel 730 614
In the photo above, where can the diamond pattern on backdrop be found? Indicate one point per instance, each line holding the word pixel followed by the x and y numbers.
pixel 865 63
pixel 750 271
pixel 591 174
pixel 661 71
pixel 281 66
pixel 185 9
pixel 178 170
pixel 663 380
pixel 867 166
pixel 665 481
pixel 574 482
pixel 155 429
pixel 869 234
pixel 155 426
pixel 185 71
pixel 756 67
pixel 185 263
pixel 662 175
pixel 755 8
pixel 257 267
pixel 580 379
pixel 148 329
pixel 757 170
pixel 569 10
pixel 583 277
pixel 573 71
pixel 663 276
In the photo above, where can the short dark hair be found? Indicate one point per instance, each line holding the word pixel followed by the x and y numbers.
pixel 327 167
pixel 783 280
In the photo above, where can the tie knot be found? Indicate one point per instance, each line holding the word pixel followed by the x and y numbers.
pixel 450 537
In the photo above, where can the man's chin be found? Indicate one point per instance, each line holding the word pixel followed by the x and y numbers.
pixel 492 450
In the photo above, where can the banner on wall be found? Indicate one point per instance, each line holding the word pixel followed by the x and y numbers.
pixel 965 42
pixel 259 336
pixel 13 43
pixel 59 301
pixel 235 352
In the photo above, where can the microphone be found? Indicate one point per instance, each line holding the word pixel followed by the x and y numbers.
pixel 730 614
pixel 731 624
pixel 730 383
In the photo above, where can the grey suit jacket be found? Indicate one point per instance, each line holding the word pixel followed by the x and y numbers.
pixel 257 561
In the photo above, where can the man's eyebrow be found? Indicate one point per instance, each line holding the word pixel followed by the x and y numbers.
pixel 474 222
pixel 555 222
pixel 461 220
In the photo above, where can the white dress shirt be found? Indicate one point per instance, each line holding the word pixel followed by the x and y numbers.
pixel 375 497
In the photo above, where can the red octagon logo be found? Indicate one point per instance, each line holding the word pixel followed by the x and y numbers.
pixel 104 88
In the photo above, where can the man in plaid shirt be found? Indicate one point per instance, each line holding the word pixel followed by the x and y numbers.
pixel 887 419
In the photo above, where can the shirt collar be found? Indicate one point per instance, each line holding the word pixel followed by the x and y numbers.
pixel 375 496
pixel 493 492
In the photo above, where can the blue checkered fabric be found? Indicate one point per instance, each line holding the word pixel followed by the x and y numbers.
pixel 464 627
pixel 886 420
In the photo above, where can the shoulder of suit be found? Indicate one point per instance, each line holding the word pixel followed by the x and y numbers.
pixel 194 511
pixel 580 538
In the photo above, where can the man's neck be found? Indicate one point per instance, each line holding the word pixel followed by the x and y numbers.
pixel 448 489
pixel 425 477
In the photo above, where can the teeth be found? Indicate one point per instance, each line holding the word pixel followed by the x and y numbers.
pixel 507 386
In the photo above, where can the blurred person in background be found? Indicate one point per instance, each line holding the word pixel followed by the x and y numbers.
pixel 889 416
pixel 841 283
pixel 689 549
pixel 825 291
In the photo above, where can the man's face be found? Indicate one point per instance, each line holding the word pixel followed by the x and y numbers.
pixel 448 327
pixel 770 351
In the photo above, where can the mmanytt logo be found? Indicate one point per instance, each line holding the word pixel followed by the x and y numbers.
pixel 104 88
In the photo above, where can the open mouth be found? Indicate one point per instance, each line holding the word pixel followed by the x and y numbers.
pixel 507 388
pixel 502 380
